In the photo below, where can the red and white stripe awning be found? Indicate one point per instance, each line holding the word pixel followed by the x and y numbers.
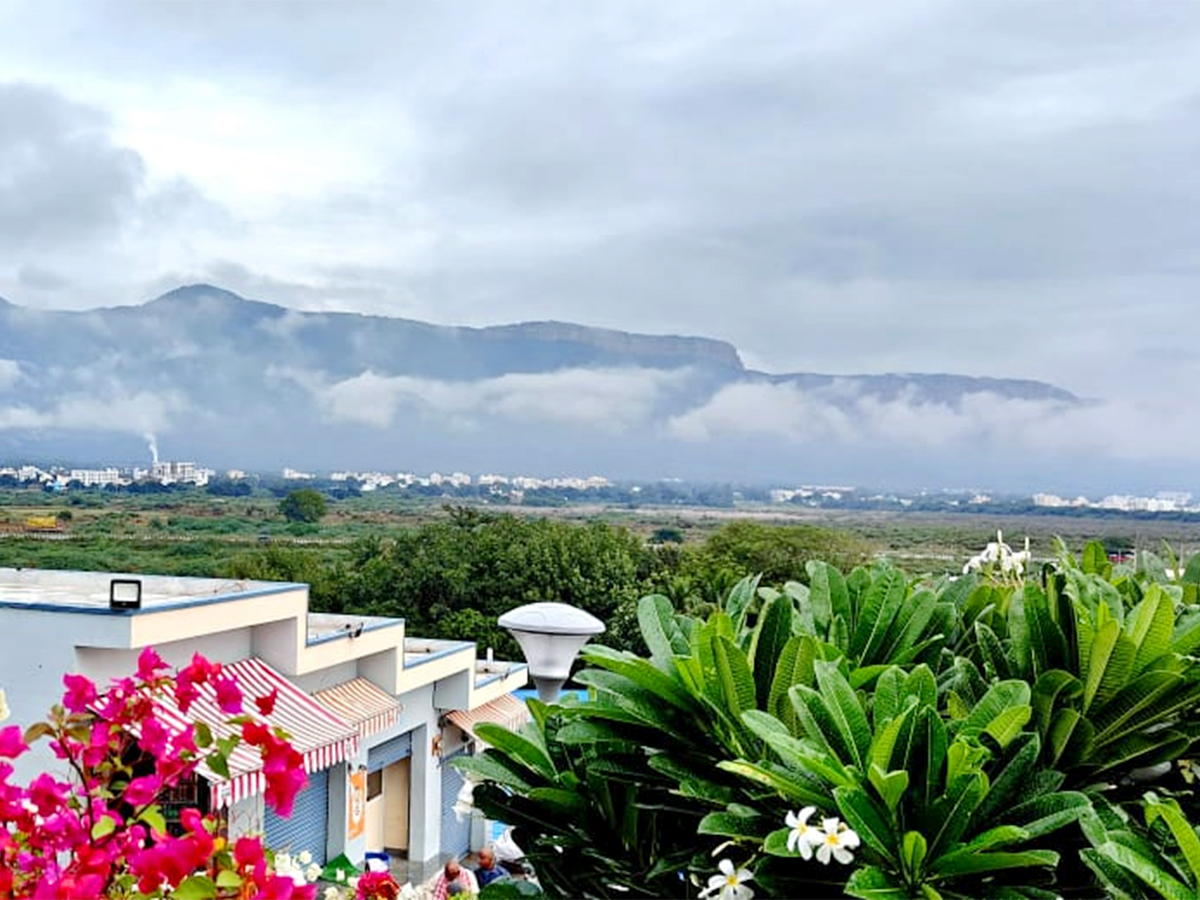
pixel 322 737
pixel 506 710
pixel 362 703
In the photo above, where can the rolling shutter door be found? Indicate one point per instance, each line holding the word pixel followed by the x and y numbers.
pixel 307 828
pixel 456 835
pixel 388 752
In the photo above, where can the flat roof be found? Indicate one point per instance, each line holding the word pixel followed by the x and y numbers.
pixel 68 591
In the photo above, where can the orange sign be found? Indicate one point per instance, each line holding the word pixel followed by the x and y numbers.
pixel 356 809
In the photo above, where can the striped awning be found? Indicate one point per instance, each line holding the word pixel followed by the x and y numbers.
pixel 506 710
pixel 363 703
pixel 318 734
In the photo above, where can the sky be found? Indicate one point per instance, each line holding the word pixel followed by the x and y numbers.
pixel 983 188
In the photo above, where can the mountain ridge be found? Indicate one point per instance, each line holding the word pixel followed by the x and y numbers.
pixel 714 350
pixel 243 383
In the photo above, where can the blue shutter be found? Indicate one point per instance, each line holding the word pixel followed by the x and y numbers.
pixel 383 755
pixel 307 828
pixel 456 835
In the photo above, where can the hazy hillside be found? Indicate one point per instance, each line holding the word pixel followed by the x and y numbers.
pixel 230 381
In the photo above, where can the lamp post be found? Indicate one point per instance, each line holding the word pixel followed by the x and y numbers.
pixel 551 636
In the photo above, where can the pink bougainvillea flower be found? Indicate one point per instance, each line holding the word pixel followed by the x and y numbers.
pixel 154 737
pixel 266 705
pixel 229 696
pixel 47 794
pixel 142 791
pixel 80 693
pixel 149 664
pixel 185 694
pixel 12 744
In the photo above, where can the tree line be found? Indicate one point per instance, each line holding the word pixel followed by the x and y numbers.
pixel 453 578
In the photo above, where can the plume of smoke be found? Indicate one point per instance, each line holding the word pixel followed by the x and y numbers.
pixel 152 441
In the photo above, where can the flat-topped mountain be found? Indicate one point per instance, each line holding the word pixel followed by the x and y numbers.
pixel 233 381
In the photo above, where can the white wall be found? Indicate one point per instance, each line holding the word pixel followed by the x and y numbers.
pixel 36 649
pixel 102 664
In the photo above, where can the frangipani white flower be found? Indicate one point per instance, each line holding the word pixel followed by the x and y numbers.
pixel 1012 563
pixel 837 840
pixel 5 712
pixel 313 872
pixel 730 884
pixel 332 893
pixel 304 858
pixel 803 837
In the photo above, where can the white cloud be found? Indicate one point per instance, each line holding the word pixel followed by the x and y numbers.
pixel 10 373
pixel 613 399
pixel 135 413
pixel 833 416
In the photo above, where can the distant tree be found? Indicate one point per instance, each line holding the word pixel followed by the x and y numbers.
pixel 304 505
pixel 228 487
pixel 779 552
pixel 667 535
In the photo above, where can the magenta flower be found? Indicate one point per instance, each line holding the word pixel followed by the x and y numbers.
pixel 12 744
pixel 154 737
pixel 149 664
pixel 229 696
pixel 80 693
pixel 266 705
pixel 142 791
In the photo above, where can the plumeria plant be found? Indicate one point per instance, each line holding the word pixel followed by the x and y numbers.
pixel 729 883
pixel 833 839
pixel 999 562
pixel 99 830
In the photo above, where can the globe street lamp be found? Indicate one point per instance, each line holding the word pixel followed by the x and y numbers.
pixel 551 636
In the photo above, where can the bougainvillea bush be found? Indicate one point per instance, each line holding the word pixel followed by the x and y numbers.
pixel 96 829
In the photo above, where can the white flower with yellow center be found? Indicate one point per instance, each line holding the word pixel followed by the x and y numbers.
pixel 5 712
pixel 802 837
pixel 304 858
pixel 837 840
pixel 730 884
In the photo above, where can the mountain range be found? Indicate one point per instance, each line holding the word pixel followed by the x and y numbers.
pixel 228 381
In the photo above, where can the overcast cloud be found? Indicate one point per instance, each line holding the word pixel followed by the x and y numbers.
pixel 990 188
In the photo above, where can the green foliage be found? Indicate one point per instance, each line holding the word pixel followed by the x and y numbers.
pixel 940 806
pixel 303 505
pixel 1163 857
pixel 1114 689
pixel 947 722
pixel 780 552
pixel 468 571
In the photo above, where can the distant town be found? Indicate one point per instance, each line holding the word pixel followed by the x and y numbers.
pixel 562 490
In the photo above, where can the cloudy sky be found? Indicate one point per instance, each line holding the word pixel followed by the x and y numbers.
pixel 984 188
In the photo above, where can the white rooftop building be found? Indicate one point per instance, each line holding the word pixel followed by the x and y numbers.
pixel 377 714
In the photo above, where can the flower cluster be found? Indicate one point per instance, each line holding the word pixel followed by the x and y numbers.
pixel 99 831
pixel 300 868
pixel 998 558
pixel 729 883
pixel 378 886
pixel 833 839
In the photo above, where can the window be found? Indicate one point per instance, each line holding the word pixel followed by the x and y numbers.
pixel 374 784
pixel 192 791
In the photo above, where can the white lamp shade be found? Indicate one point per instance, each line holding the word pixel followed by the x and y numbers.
pixel 551 636
pixel 550 655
